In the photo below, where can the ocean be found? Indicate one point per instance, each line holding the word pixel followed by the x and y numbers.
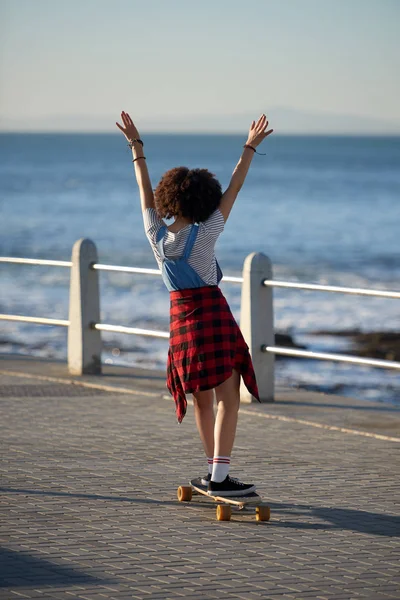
pixel 324 209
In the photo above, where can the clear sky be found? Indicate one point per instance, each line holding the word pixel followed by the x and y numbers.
pixel 184 65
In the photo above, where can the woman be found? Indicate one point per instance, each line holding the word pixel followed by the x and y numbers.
pixel 207 353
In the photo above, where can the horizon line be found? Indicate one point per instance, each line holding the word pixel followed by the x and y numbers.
pixel 202 133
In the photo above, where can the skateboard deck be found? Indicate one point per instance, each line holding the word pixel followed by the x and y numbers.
pixel 225 504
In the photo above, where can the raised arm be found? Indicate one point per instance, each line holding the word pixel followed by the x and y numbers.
pixel 142 175
pixel 257 133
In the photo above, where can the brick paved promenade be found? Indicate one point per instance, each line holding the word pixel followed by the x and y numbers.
pixel 88 494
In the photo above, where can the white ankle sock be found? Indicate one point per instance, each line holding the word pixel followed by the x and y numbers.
pixel 210 464
pixel 221 466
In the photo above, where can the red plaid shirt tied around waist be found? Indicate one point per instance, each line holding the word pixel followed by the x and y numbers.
pixel 205 345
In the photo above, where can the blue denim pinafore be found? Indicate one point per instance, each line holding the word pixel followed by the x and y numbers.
pixel 177 273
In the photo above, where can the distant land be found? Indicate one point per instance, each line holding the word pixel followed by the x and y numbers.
pixel 284 120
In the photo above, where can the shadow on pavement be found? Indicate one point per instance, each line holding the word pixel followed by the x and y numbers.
pixel 20 569
pixel 91 496
pixel 359 521
pixel 335 518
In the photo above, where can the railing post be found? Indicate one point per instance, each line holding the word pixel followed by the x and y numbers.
pixel 84 343
pixel 257 323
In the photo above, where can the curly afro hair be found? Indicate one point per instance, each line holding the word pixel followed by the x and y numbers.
pixel 194 194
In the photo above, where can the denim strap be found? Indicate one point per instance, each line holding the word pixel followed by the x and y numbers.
pixel 190 241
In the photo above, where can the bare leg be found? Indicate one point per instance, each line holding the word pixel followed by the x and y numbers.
pixel 228 400
pixel 205 419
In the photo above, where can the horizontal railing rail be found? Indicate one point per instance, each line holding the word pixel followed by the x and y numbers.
pixel 373 362
pixel 331 288
pixel 119 269
pixel 130 330
pixel 35 261
pixel 266 282
pixel 256 311
pixel 38 320
pixel 144 271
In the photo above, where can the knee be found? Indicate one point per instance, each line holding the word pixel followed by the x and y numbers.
pixel 228 403
pixel 203 403
pixel 228 393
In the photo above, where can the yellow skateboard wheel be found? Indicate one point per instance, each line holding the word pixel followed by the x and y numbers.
pixel 223 512
pixel 263 513
pixel 184 493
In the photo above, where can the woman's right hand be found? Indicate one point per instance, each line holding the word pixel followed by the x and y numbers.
pixel 129 130
pixel 258 132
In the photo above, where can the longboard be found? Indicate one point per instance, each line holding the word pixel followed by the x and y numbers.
pixel 225 504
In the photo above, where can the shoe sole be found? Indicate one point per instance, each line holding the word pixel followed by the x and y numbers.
pixel 232 494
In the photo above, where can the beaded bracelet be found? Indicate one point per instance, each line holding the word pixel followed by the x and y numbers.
pixel 130 144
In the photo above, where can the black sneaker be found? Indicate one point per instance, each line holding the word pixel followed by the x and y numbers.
pixel 198 482
pixel 205 480
pixel 230 487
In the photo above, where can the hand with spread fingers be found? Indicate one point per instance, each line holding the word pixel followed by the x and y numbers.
pixel 129 130
pixel 258 132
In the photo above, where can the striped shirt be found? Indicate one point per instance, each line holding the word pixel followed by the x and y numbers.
pixel 202 258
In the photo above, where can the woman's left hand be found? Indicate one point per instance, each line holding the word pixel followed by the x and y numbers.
pixel 129 131
pixel 258 132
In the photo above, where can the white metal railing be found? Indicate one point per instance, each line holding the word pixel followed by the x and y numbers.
pixel 118 269
pixel 277 350
pixel 36 261
pixel 331 288
pixel 373 362
pixel 131 330
pixel 38 320
pixel 40 262
pixel 143 271
pixel 84 341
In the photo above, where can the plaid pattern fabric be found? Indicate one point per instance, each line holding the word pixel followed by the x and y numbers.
pixel 205 345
